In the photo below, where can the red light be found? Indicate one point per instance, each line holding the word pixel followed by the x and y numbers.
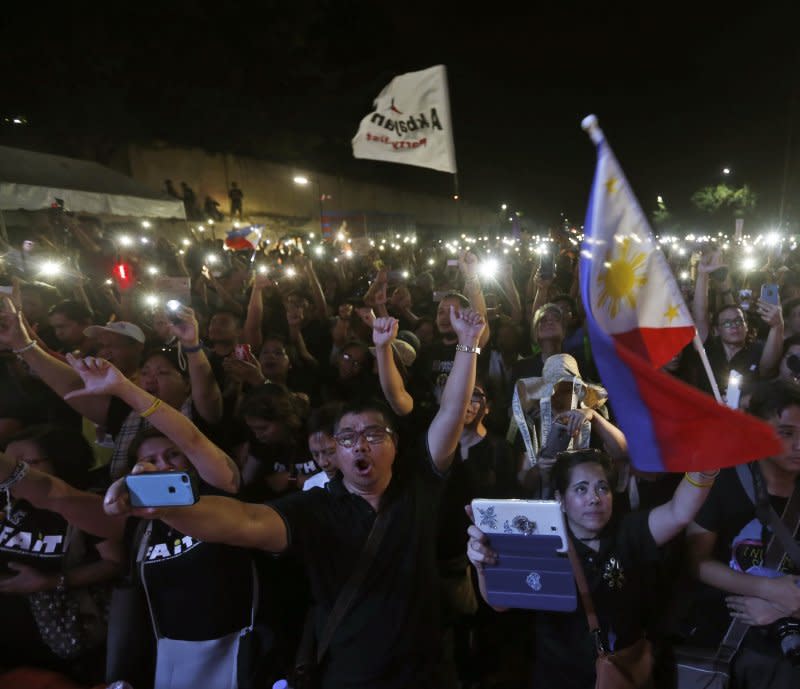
pixel 123 274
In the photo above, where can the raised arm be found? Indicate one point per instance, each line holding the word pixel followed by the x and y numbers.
pixel 445 429
pixel 59 376
pixel 384 333
pixel 206 394
pixel 708 263
pixel 317 294
pixel 214 466
pixel 772 315
pixel 255 312
pixel 468 264
pixel 211 519
pixel 668 520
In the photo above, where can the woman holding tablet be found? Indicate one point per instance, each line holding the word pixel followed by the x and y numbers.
pixel 614 557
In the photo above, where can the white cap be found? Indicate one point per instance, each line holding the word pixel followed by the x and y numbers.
pixel 119 327
pixel 404 350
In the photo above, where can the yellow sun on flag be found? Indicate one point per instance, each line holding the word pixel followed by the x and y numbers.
pixel 622 278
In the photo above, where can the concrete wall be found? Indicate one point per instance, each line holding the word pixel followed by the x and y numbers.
pixel 271 196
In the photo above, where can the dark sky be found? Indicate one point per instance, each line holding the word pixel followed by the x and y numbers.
pixel 681 93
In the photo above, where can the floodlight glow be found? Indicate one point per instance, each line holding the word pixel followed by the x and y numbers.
pixel 153 270
pixel 340 236
pixel 146 224
pixel 186 242
pixel 144 240
pixel 685 275
pixel 431 261
pixel 302 181
pixel 290 272
pixel 749 263
pixel 212 258
pixel 772 239
pixel 318 250
pixel 263 269
pixel 125 240
pixel 151 300
pixel 405 274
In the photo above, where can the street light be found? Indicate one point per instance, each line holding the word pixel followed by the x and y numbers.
pixel 303 181
pixel 726 171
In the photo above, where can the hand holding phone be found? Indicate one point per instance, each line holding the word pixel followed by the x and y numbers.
pixel 770 294
pixel 161 489
pixel 557 440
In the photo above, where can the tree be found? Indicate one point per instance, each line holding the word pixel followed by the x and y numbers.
pixel 718 198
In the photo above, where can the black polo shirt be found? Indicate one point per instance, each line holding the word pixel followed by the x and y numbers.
pixel 390 637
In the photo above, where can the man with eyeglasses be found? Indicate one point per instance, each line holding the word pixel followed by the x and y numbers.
pixel 730 348
pixel 390 636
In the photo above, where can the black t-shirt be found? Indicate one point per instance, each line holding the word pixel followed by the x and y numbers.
pixel 744 362
pixel 390 637
pixel 564 649
pixel 36 538
pixel 198 590
pixel 731 514
pixel 488 472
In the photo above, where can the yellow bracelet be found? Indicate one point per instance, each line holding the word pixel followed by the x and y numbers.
pixel 695 483
pixel 151 409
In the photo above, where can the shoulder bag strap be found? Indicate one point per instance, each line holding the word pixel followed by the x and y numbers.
pixel 586 598
pixel 349 591
pixel 783 528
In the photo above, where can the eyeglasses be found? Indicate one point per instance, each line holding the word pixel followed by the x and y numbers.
pixel 355 363
pixel 732 323
pixel 375 435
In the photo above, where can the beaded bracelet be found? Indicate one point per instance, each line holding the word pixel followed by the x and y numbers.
pixel 151 409
pixel 15 476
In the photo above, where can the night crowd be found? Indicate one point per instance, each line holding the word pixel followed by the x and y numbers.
pixel 337 408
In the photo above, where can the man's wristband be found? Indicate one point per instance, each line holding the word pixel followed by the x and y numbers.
pixel 25 348
pixel 192 350
pixel 468 349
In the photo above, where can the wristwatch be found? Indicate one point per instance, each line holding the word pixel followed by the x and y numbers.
pixel 469 350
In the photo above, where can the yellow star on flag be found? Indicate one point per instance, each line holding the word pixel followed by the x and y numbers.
pixel 672 312
pixel 611 185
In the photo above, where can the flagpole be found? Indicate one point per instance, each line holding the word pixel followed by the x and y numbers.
pixel 592 127
pixel 701 351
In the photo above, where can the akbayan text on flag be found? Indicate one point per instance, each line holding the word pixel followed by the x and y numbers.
pixel 411 123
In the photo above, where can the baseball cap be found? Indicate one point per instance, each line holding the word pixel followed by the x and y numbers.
pixel 404 351
pixel 120 328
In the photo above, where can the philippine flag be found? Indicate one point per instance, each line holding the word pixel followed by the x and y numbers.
pixel 637 321
pixel 244 238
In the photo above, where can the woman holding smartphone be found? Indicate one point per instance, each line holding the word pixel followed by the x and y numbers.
pixel 199 597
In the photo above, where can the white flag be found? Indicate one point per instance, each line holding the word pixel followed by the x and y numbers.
pixel 411 123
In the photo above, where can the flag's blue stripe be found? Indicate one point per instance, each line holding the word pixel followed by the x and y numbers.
pixel 633 416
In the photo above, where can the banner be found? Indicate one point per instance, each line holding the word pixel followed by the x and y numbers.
pixel 411 123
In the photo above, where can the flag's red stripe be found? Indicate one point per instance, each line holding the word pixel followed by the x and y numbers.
pixel 656 345
pixel 695 432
